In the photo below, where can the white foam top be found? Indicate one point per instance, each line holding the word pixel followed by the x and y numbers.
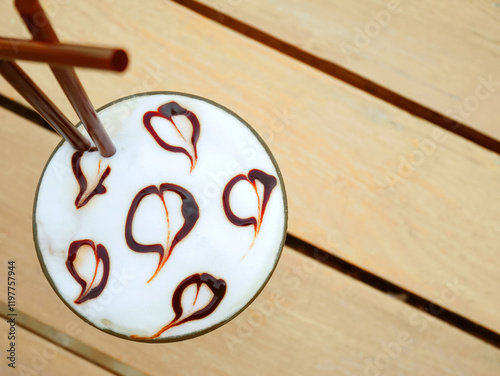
pixel 128 304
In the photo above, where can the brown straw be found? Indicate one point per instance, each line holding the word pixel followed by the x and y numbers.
pixel 32 93
pixel 62 55
pixel 38 24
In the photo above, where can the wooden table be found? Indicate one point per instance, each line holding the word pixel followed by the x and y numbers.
pixel 392 262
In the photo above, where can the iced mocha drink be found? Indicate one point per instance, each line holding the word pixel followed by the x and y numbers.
pixel 172 236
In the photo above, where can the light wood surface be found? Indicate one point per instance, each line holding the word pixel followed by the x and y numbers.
pixel 309 318
pixel 435 53
pixel 366 181
pixel 36 356
pixel 359 184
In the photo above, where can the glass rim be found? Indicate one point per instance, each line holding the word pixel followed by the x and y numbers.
pixel 199 332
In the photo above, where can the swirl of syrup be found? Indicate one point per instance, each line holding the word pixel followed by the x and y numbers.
pixel 268 181
pixel 190 211
pixel 167 111
pixel 99 189
pixel 218 288
pixel 101 255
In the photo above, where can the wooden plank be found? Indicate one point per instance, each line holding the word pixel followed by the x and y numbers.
pixel 309 319
pixel 366 181
pixel 437 54
pixel 68 340
pixel 37 356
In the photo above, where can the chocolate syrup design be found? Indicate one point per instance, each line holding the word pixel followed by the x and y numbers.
pixel 190 212
pixel 168 111
pixel 101 255
pixel 268 181
pixel 99 189
pixel 218 288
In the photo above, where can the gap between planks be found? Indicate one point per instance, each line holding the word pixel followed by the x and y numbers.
pixel 468 326
pixel 393 290
pixel 344 75
pixel 71 344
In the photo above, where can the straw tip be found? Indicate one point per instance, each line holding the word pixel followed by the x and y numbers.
pixel 27 6
pixel 119 60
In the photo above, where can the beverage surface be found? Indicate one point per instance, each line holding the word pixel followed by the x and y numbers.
pixel 174 234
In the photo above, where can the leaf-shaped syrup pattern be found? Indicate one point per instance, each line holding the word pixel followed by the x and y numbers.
pixel 96 187
pixel 168 111
pixel 94 289
pixel 268 181
pixel 216 286
pixel 189 210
